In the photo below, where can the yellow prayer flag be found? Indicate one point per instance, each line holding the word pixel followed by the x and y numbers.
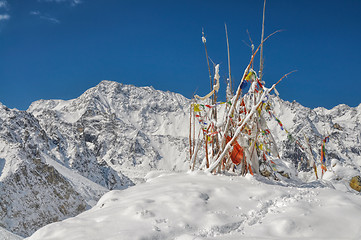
pixel 196 108
pixel 259 110
pixel 249 76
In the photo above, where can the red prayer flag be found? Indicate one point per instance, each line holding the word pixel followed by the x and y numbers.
pixel 237 154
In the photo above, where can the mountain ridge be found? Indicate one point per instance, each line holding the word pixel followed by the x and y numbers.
pixel 113 134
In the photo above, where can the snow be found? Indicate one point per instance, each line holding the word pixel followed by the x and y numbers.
pixel 87 188
pixel 202 206
pixel 6 235
pixel 60 106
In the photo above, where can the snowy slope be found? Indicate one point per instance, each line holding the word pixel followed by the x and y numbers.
pixel 6 235
pixel 198 206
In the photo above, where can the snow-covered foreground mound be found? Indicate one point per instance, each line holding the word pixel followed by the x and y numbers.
pixel 199 206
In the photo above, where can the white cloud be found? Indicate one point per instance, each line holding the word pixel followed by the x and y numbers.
pixel 44 16
pixel 3 4
pixel 72 2
pixel 34 13
pixel 4 17
pixel 50 19
pixel 76 2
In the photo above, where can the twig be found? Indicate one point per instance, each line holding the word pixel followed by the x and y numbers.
pixel 190 131
pixel 274 85
pixel 205 47
pixel 229 61
pixel 252 45
pixel 261 52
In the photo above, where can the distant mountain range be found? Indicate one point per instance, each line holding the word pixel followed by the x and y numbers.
pixel 59 157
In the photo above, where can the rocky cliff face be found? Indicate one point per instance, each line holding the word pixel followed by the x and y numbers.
pixel 59 157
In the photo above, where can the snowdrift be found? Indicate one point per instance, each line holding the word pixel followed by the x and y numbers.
pixel 200 206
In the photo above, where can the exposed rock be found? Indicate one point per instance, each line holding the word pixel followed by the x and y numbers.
pixel 355 183
pixel 337 126
pixel 42 196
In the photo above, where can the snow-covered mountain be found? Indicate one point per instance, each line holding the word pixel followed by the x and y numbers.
pixel 32 192
pixel 60 156
pixel 342 124
pixel 133 130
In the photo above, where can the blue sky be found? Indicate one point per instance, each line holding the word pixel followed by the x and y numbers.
pixel 57 49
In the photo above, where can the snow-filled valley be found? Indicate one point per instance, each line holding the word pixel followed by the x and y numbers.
pixel 113 164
